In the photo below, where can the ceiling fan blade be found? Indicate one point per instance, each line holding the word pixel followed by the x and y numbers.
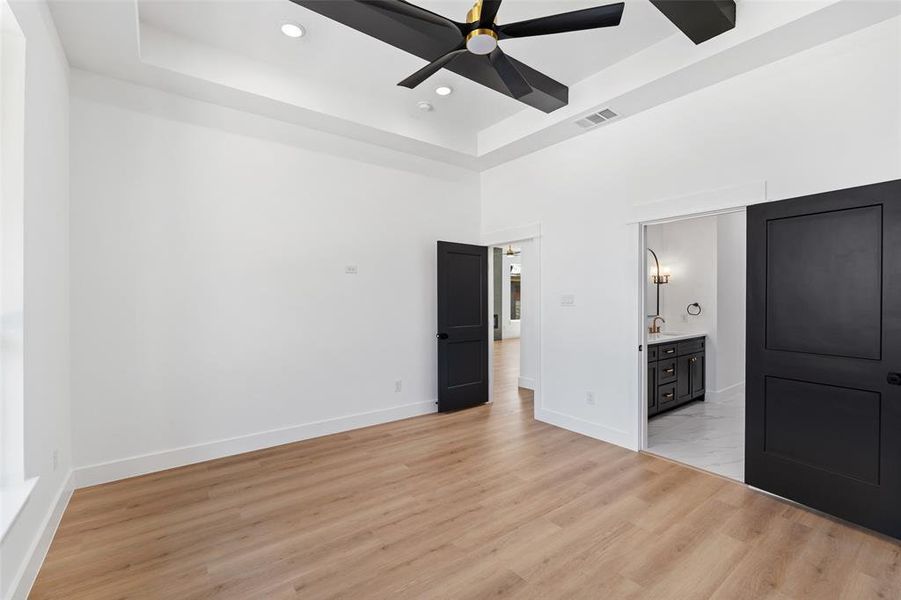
pixel 408 11
pixel 430 69
pixel 488 13
pixel 511 77
pixel 578 20
pixel 401 24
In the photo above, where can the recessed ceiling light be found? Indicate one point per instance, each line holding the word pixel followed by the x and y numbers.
pixel 444 90
pixel 425 106
pixel 292 30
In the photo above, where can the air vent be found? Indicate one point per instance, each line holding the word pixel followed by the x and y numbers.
pixel 596 118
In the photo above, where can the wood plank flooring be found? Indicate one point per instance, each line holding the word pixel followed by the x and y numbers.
pixel 481 503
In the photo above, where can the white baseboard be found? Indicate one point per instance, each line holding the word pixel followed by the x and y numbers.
pixel 179 457
pixel 732 390
pixel 24 579
pixel 527 382
pixel 593 430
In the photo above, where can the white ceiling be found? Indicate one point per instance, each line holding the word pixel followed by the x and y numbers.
pixel 340 58
pixel 336 79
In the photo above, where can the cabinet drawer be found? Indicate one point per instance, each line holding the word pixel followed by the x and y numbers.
pixel 666 351
pixel 666 371
pixel 691 346
pixel 652 353
pixel 666 395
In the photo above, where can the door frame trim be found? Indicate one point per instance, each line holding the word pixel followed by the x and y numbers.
pixel 526 233
pixel 703 204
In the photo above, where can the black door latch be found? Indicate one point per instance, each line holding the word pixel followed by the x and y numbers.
pixel 894 379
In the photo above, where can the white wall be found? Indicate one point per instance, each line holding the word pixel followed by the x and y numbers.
pixel 509 327
pixel 687 248
pixel 211 312
pixel 46 298
pixel 824 119
pixel 731 266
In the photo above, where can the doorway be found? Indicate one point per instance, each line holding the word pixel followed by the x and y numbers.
pixel 694 332
pixel 514 320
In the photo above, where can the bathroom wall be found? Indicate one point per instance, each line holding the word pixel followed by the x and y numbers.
pixel 731 236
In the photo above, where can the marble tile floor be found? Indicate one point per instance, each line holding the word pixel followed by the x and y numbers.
pixel 709 435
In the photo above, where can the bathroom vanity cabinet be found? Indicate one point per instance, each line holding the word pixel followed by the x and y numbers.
pixel 676 373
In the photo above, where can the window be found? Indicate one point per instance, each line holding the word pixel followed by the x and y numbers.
pixel 14 489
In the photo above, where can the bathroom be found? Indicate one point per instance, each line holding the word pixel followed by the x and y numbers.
pixel 695 340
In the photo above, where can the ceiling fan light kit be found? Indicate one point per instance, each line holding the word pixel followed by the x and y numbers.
pixel 472 49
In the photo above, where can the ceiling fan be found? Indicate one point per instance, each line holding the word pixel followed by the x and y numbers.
pixel 470 49
pixel 480 35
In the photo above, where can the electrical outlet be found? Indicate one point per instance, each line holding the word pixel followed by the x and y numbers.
pixel 398 386
pixel 589 398
pixel 55 459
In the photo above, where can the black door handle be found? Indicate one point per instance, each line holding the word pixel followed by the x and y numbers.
pixel 442 336
pixel 894 378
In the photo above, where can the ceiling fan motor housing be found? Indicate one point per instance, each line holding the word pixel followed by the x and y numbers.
pixel 479 40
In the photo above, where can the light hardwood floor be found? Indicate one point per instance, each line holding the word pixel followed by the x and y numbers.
pixel 481 503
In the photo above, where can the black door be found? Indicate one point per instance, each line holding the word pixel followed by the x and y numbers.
pixel 462 326
pixel 823 422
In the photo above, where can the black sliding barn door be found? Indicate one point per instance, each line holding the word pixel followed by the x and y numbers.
pixel 462 326
pixel 823 422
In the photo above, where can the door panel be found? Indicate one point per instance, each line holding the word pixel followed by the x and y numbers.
pixel 463 330
pixel 800 416
pixel 830 265
pixel 823 334
pixel 464 362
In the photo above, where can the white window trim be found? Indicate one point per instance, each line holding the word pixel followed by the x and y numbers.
pixel 12 500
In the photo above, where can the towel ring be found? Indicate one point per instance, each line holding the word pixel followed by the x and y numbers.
pixel 693 306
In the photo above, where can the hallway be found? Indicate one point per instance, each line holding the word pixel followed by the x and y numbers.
pixel 505 376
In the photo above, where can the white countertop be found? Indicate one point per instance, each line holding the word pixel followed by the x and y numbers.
pixel 673 336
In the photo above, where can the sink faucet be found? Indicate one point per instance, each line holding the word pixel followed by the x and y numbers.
pixel 655 328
